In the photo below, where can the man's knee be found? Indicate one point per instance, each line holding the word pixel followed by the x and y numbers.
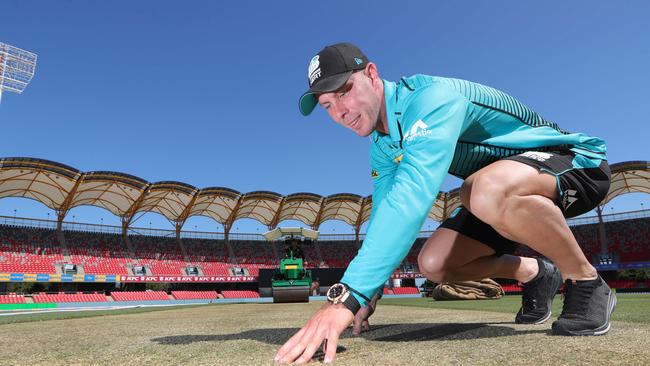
pixel 484 196
pixel 433 268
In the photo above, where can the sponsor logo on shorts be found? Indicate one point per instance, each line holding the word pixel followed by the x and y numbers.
pixel 536 155
pixel 419 129
pixel 569 198
pixel 374 174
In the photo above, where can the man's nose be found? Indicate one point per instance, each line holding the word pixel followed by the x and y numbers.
pixel 342 111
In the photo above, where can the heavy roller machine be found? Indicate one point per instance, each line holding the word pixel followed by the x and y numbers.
pixel 291 282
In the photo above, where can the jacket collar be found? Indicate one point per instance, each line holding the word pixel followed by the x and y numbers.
pixel 392 113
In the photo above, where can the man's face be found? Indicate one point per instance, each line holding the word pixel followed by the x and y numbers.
pixel 355 105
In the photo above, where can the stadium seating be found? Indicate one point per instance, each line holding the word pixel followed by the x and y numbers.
pixel 12 298
pixel 588 239
pixel 253 252
pixel 311 260
pixel 215 268
pixel 337 254
pixel 194 295
pixel 162 255
pixel 140 296
pixel 625 283
pixel 406 291
pixel 511 288
pixel 238 294
pixel 62 297
pixel 206 250
pixel 254 269
pixel 98 253
pixel 629 239
pixel 29 250
pixel 209 255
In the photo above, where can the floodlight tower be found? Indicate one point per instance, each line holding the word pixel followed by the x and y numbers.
pixel 16 68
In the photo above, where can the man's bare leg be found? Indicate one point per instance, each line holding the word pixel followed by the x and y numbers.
pixel 517 201
pixel 450 256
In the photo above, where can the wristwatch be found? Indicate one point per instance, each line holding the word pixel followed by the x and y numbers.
pixel 340 293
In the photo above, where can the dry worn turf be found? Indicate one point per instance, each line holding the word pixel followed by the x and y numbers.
pixel 250 334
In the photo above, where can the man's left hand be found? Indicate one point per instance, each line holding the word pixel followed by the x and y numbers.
pixel 361 323
pixel 327 324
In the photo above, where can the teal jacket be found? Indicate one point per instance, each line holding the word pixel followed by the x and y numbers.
pixel 438 126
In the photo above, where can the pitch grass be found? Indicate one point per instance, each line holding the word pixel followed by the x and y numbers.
pixel 404 332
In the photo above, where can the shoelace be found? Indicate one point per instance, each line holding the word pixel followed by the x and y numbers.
pixel 576 298
pixel 528 301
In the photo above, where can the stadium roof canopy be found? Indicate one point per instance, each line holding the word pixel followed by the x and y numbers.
pixel 62 188
pixel 628 177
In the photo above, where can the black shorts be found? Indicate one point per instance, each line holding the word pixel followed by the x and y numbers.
pixel 580 189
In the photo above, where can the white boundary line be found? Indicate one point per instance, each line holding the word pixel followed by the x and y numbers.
pixel 95 308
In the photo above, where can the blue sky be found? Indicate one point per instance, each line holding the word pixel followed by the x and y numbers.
pixel 206 92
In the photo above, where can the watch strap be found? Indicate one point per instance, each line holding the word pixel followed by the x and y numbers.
pixel 352 304
pixel 356 292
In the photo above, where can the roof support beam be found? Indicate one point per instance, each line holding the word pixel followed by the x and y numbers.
pixel 128 215
pixel 65 206
pixel 276 216
pixel 231 218
pixel 178 224
pixel 358 223
pixel 319 215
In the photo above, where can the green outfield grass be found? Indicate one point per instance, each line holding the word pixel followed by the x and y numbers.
pixel 83 314
pixel 629 307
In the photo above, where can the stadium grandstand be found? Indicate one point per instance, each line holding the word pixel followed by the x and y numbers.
pixel 99 263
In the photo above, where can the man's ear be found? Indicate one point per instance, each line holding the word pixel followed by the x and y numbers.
pixel 372 72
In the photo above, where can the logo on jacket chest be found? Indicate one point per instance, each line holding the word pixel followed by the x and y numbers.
pixel 419 129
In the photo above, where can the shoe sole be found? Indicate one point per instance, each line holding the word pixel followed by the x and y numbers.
pixel 611 304
pixel 549 304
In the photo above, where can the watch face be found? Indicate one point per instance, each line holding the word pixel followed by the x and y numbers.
pixel 335 291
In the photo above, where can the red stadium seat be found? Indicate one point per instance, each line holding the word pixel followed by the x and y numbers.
pixel 62 298
pixel 12 299
pixel 140 296
pixel 406 291
pixel 29 250
pixel 239 294
pixel 195 295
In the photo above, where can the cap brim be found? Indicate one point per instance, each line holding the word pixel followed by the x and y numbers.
pixel 308 100
pixel 307 103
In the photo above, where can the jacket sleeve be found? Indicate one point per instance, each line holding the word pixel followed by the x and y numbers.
pixel 432 124
pixel 383 172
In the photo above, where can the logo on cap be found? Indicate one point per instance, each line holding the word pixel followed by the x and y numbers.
pixel 358 60
pixel 314 70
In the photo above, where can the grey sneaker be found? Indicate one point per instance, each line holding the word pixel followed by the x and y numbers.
pixel 538 294
pixel 587 310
